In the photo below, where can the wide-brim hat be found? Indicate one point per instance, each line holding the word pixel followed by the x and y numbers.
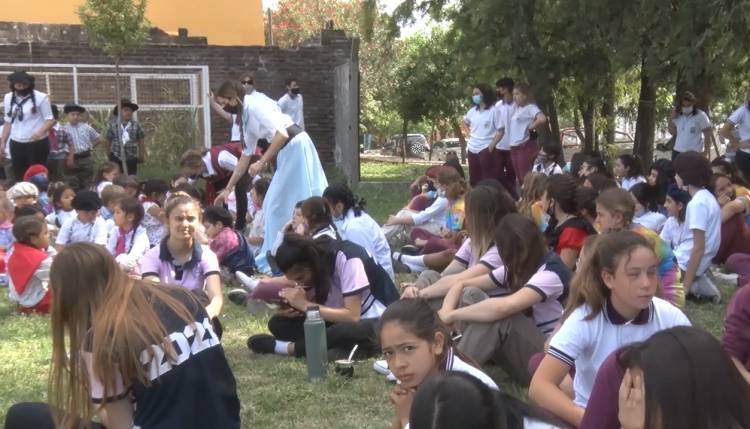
pixel 71 107
pixel 21 77
pixel 87 201
pixel 126 103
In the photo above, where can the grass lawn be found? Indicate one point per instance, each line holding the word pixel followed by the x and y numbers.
pixel 273 390
pixel 390 172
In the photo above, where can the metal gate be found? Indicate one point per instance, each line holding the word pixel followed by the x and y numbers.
pixel 169 97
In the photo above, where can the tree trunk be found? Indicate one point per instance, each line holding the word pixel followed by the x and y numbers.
pixel 587 114
pixel 461 139
pixel 646 121
pixel 553 120
pixel 608 110
pixel 123 163
pixel 404 133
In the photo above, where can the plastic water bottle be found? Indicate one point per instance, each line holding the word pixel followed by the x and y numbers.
pixel 315 345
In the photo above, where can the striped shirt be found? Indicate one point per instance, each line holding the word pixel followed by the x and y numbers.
pixel 83 135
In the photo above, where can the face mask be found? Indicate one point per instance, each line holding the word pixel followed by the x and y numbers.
pixel 431 194
pixel 544 222
pixel 499 94
pixel 232 109
pixel 23 92
pixel 476 99
pixel 441 193
pixel 687 110
pixel 295 91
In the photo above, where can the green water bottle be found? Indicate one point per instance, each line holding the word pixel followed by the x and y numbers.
pixel 315 345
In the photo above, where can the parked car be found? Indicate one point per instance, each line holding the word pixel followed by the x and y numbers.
pixel 441 147
pixel 569 138
pixel 416 145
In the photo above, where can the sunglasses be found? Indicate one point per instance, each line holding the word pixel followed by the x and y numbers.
pixel 247 82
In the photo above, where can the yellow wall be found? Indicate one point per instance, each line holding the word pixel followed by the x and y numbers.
pixel 223 22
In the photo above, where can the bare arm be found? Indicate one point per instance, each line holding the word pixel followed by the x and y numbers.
pixel 4 139
pixel 43 130
pixel 570 257
pixel 741 368
pixel 213 290
pixel 277 143
pixel 727 131
pixel 117 415
pixel 493 309
pixel 539 120
pixel 699 246
pixel 708 138
pixel 216 107
pixel 242 165
pixel 441 287
pixel 545 391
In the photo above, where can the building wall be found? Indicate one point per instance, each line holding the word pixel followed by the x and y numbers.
pixel 314 67
pixel 222 22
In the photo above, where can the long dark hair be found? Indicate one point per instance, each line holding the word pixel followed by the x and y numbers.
pixel 457 399
pixel 299 253
pixel 317 213
pixel 632 164
pixel 134 207
pixel 341 193
pixel 562 189
pixel 690 381
pixel 730 170
pixel 645 194
pixel 664 177
pixel 522 248
pixel 489 96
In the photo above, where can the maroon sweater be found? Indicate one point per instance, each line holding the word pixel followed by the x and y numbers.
pixel 736 339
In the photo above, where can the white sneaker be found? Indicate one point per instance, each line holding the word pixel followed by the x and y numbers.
pixel 249 282
pixel 381 367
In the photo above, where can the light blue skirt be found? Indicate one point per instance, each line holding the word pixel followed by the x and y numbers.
pixel 299 176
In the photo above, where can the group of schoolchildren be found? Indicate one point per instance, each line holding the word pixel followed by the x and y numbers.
pixel 574 288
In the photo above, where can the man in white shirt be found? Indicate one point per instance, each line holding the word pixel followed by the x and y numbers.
pixel 691 127
pixel 739 121
pixel 503 112
pixel 291 103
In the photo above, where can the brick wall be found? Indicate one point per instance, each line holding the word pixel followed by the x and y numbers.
pixel 313 65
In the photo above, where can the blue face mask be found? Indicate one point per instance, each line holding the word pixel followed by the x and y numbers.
pixel 431 194
pixel 476 99
pixel 339 223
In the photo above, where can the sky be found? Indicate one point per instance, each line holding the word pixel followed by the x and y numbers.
pixel 421 24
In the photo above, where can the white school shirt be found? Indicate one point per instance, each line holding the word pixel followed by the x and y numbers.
pixel 741 118
pixel 651 220
pixel 136 245
pixel 58 217
pixel 585 344
pixel 261 118
pixel 703 213
pixel 481 128
pixel 520 120
pixel 234 131
pixel 673 233
pixel 435 213
pixel 74 231
pixel 690 129
pixel 257 229
pixel 21 131
pixel 503 113
pixel 294 107
pixel 465 256
pixel 226 160
pixel 363 230
pixel 548 170
pixel 629 182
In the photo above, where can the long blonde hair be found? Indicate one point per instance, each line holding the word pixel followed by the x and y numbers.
pixel 534 185
pixel 102 311
pixel 602 253
pixel 485 207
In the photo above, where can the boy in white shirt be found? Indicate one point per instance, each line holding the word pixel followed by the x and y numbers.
pixel 703 219
pixel 291 103
pixel 87 225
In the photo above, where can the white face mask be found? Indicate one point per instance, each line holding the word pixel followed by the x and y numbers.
pixel 687 110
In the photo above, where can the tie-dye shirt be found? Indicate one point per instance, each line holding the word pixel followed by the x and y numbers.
pixel 454 216
pixel 669 273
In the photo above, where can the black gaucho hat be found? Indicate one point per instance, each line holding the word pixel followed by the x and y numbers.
pixel 72 107
pixel 87 201
pixel 125 103
pixel 21 77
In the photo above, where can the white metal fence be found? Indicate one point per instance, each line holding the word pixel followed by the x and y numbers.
pixel 156 90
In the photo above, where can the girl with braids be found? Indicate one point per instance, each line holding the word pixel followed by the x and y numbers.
pixel 566 230
pixel 28 119
pixel 299 174
pixel 355 225
pixel 350 288
pixel 612 304
pixel 615 209
pixel 148 373
pixel 128 241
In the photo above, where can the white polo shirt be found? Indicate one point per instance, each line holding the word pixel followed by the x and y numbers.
pixel 235 131
pixel 74 231
pixel 520 120
pixel 741 118
pixel 136 245
pixel 503 113
pixel 587 343
pixel 294 107
pixel 261 118
pixel 482 128
pixel 226 160
pixel 22 130
pixel 690 129
pixel 651 220
pixel 703 213
pixel 435 213
pixel 363 230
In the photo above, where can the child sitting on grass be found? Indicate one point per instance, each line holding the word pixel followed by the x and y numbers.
pixel 230 246
pixel 62 201
pixel 23 194
pixel 28 266
pixel 257 227
pixel 128 240
pixel 87 225
pixel 153 198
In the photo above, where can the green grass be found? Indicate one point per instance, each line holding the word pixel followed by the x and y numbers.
pixel 390 172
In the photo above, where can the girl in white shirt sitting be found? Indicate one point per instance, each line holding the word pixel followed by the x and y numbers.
pixel 128 241
pixel 628 169
pixel 646 207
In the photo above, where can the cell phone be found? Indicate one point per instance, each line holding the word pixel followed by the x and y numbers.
pixel 533 134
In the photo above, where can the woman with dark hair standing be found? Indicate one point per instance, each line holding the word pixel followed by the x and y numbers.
pixel 28 119
pixel 483 163
pixel 299 174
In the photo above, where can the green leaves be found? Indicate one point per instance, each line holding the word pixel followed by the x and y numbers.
pixel 115 26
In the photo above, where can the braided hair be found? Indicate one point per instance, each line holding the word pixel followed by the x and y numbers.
pixel 20 106
pixel 341 193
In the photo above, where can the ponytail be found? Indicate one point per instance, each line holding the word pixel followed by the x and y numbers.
pixel 341 193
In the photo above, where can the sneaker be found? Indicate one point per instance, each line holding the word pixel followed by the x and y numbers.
pixel 238 296
pixel 409 249
pixel 399 267
pixel 381 367
pixel 250 282
pixel 262 344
